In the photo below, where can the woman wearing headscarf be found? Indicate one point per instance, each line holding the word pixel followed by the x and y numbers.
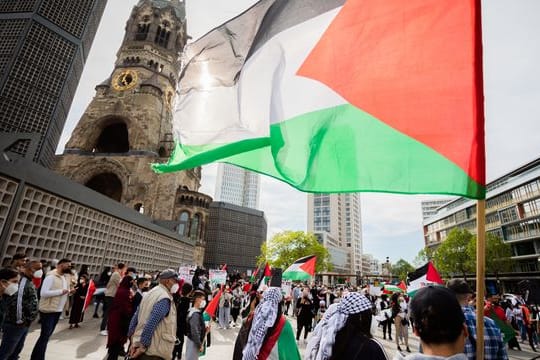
pixel 304 315
pixel 120 315
pixel 271 336
pixel 77 310
pixel 344 332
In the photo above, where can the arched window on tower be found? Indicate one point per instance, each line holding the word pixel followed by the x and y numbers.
pixel 107 184
pixel 183 223
pixel 142 31
pixel 194 230
pixel 162 36
pixel 113 139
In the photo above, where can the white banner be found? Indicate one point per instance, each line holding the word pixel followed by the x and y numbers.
pixel 217 277
pixel 186 273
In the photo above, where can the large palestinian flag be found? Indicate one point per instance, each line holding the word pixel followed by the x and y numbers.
pixel 423 276
pixel 340 96
pixel 302 269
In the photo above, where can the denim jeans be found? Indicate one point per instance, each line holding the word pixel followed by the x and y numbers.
pixel 48 323
pixel 12 341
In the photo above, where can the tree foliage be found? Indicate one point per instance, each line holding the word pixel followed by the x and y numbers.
pixel 425 255
pixel 457 254
pixel 452 256
pixel 498 254
pixel 288 246
pixel 401 268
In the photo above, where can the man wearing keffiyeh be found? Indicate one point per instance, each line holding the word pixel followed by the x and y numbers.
pixel 271 335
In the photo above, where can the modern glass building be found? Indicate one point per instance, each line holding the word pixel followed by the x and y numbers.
pixel 44 45
pixel 340 216
pixel 512 213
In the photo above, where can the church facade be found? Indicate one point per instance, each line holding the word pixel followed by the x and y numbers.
pixel 128 126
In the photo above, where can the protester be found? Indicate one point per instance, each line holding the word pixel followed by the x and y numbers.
pixel 153 327
pixel 439 322
pixel 527 325
pixel 54 294
pixel 238 295
pixel 18 262
pixel 182 309
pixel 494 311
pixel 120 314
pixel 110 292
pixel 77 310
pixel 225 303
pixel 101 283
pixel 345 332
pixel 271 335
pixel 387 314
pixel 143 286
pixel 401 321
pixel 196 328
pixel 494 347
pixel 21 309
pixel 304 315
pixel 9 282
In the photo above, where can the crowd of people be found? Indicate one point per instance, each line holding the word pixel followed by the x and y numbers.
pixel 159 316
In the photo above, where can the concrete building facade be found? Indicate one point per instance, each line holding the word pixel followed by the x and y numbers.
pixel 42 54
pixel 234 236
pixel 340 216
pixel 512 213
pixel 47 216
pixel 238 186
pixel 429 207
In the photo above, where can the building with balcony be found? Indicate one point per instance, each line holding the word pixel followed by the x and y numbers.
pixel 512 213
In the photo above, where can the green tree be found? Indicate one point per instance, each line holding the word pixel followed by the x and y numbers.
pixel 401 268
pixel 498 255
pixel 423 256
pixel 288 246
pixel 453 255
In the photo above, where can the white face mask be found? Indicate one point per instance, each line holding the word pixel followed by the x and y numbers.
pixel 175 288
pixel 202 304
pixel 11 289
pixel 38 274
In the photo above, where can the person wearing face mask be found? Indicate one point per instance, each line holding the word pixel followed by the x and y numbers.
pixel 7 278
pixel 54 294
pixel 77 314
pixel 21 305
pixel 153 327
pixel 196 328
pixel 143 286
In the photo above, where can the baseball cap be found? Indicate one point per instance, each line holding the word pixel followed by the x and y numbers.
pixel 459 286
pixel 168 274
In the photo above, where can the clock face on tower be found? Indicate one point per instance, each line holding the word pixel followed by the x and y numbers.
pixel 125 80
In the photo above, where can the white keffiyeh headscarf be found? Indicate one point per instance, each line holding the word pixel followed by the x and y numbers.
pixel 314 342
pixel 324 336
pixel 264 318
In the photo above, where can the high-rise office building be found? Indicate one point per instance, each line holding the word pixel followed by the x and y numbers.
pixel 238 186
pixel 430 207
pixel 340 216
pixel 43 49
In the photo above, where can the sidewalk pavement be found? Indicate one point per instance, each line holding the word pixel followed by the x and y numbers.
pixel 86 342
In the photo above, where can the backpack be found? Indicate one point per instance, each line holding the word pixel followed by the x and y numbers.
pixel 226 303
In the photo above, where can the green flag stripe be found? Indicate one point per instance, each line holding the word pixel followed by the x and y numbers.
pixel 343 142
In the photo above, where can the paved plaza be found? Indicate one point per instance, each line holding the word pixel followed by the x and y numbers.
pixel 86 343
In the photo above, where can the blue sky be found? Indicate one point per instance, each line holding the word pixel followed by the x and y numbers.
pixel 392 224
